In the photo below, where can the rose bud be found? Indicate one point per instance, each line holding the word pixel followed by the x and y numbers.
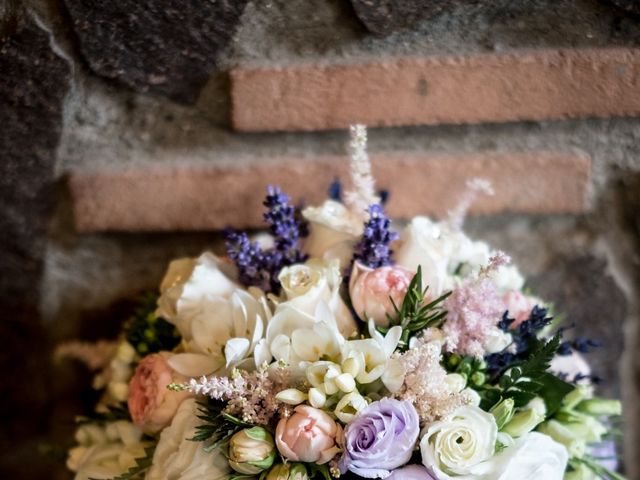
pixel 251 451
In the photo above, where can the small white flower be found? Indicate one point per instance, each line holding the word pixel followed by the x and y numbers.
pixel 349 406
pixel 291 396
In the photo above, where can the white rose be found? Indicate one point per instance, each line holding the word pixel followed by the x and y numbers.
pixel 188 282
pixel 507 277
pixel 305 286
pixel 333 231
pixel 105 452
pixel 422 244
pixel 532 457
pixel 224 333
pixel 458 444
pixel 178 458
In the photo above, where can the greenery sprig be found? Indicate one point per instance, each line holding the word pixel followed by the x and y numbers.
pixel 414 315
pixel 147 332
pixel 530 379
pixel 218 426
pixel 112 414
pixel 142 465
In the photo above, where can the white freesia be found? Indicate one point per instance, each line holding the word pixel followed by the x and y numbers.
pixel 178 458
pixel 306 285
pixel 105 452
pixel 370 358
pixel 188 282
pixel 455 446
pixel 333 231
pixel 349 406
pixel 224 333
pixel 531 457
pixel 299 339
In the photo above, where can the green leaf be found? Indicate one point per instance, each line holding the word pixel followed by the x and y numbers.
pixel 113 414
pixel 528 379
pixel 141 466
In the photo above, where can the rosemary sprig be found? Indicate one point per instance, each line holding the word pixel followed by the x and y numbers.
pixel 414 315
pixel 218 426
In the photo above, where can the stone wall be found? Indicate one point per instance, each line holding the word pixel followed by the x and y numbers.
pixel 134 130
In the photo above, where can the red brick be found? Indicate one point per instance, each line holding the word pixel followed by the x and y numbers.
pixel 524 85
pixel 209 198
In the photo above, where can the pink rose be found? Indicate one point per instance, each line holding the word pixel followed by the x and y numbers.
pixel 518 305
pixel 151 404
pixel 372 290
pixel 309 435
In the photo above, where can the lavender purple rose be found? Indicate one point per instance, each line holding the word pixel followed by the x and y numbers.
pixel 380 439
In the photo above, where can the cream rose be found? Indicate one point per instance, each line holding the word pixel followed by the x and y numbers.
pixel 306 285
pixel 151 404
pixel 178 458
pixel 187 283
pixel 333 231
pixel 458 444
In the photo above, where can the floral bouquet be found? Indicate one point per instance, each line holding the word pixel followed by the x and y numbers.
pixel 335 346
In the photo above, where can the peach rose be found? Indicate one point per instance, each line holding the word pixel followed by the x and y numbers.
pixel 309 435
pixel 372 290
pixel 151 404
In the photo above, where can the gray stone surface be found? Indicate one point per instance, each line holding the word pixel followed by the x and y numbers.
pixel 629 5
pixel 33 85
pixel 164 46
pixel 383 17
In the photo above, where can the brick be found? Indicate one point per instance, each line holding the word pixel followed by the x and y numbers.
pixel 523 85
pixel 210 198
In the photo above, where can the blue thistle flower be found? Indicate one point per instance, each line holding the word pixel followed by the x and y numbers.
pixel 373 248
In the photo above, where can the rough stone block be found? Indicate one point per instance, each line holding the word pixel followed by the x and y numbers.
pixel 164 46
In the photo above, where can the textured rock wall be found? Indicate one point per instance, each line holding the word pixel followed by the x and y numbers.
pixel 115 91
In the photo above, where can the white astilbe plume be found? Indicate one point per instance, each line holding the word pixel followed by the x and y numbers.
pixel 475 187
pixel 363 191
pixel 94 355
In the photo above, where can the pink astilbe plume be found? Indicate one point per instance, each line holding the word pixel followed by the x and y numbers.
pixel 424 382
pixel 250 396
pixel 475 187
pixel 474 310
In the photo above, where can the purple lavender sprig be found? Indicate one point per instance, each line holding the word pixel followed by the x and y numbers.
pixel 285 228
pixel 373 248
pixel 260 268
pixel 253 264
